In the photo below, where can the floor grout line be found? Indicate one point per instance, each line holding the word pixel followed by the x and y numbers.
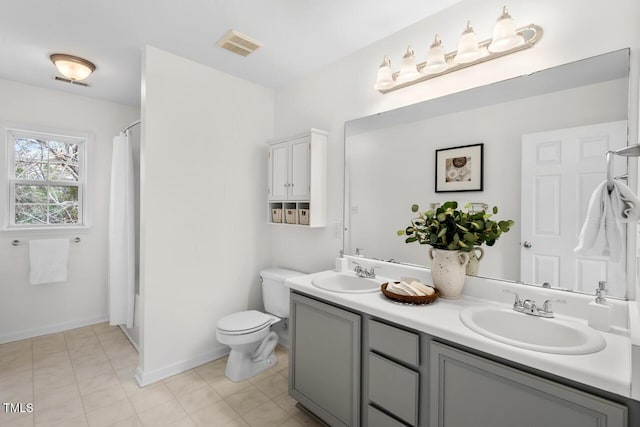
pixel 75 377
pixel 112 345
pixel 33 383
pixel 114 370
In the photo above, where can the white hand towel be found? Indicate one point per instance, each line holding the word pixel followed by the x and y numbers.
pixel 48 260
pixel 603 231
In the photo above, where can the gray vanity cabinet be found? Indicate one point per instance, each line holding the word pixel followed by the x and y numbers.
pixel 324 373
pixel 467 390
pixel 351 369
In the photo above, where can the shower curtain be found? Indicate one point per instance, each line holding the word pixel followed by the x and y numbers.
pixel 122 234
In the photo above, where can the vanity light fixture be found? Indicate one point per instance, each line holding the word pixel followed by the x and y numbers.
pixel 505 41
pixel 408 68
pixel 72 67
pixel 385 75
pixel 436 62
pixel 468 50
pixel 504 34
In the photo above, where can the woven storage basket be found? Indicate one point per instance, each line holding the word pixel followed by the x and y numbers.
pixel 276 215
pixel 290 216
pixel 427 299
pixel 303 216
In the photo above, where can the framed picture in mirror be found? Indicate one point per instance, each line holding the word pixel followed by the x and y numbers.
pixel 460 168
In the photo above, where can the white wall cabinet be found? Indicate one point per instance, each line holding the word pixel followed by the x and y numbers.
pixel 297 176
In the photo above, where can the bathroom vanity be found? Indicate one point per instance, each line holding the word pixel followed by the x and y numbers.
pixel 363 360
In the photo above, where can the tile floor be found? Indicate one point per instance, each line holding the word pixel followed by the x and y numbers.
pixel 84 377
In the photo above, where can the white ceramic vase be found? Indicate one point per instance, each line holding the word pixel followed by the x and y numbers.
pixel 448 271
pixel 474 261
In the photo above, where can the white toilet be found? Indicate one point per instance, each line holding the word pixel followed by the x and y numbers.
pixel 249 334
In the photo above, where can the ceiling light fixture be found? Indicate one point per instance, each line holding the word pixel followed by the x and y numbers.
pixel 72 67
pixel 506 40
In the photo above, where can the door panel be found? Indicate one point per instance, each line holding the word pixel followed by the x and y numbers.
pixel 278 172
pixel 560 171
pixel 300 167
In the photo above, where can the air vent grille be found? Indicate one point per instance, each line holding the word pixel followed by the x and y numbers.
pixel 73 82
pixel 238 43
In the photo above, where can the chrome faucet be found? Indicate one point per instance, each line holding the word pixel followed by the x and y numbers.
pixel 528 306
pixel 363 272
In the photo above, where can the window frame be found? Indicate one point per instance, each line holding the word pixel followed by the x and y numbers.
pixel 11 132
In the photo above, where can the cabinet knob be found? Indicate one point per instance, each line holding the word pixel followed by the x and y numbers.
pixel 527 244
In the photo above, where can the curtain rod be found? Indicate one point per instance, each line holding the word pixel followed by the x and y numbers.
pixel 137 122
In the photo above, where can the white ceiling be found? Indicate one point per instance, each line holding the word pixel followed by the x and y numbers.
pixel 298 35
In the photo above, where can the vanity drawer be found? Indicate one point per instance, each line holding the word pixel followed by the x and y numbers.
pixel 394 388
pixel 378 418
pixel 393 342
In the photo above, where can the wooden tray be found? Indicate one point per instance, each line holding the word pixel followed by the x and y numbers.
pixel 427 299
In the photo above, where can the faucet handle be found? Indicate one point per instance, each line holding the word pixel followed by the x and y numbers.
pixel 546 306
pixel 517 302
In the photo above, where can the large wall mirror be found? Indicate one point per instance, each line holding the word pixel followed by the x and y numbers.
pixel 545 138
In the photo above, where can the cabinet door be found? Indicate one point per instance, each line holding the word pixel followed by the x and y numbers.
pixel 324 370
pixel 278 179
pixel 467 390
pixel 299 170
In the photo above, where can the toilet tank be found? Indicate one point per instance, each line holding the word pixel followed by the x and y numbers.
pixel 275 294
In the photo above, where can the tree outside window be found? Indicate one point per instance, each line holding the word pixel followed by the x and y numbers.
pixel 47 180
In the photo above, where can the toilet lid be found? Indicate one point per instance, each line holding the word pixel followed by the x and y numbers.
pixel 244 322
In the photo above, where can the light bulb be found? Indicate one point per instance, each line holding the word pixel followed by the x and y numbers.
pixel 467 46
pixel 436 62
pixel 408 68
pixel 504 34
pixel 385 76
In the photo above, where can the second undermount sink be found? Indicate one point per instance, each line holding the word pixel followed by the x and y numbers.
pixel 531 332
pixel 347 283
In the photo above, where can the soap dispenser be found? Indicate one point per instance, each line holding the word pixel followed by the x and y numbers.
pixel 599 311
pixel 342 264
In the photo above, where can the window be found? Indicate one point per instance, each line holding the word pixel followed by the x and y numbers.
pixel 47 179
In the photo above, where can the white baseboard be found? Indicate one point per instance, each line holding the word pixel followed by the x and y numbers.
pixel 50 329
pixel 149 377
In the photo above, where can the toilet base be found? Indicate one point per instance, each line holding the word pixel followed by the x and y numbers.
pixel 241 366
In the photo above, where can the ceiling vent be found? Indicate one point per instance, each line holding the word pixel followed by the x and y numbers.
pixel 239 43
pixel 73 82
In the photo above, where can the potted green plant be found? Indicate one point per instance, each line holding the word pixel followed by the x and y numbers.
pixel 454 236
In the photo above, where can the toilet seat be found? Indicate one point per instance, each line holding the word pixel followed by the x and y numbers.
pixel 244 322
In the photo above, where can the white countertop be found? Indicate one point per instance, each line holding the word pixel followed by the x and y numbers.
pixel 608 369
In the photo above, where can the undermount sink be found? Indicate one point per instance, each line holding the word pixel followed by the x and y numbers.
pixel 531 332
pixel 347 283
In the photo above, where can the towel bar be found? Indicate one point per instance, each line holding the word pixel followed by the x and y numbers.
pixel 629 151
pixel 18 242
